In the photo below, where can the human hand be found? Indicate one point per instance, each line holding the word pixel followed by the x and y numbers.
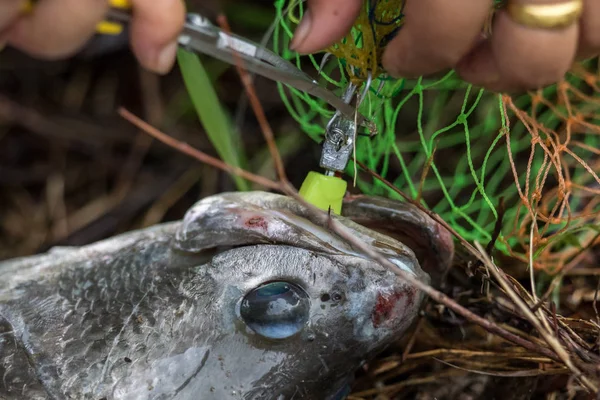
pixel 442 34
pixel 59 28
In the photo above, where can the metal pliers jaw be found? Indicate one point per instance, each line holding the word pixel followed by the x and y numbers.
pixel 340 135
pixel 341 132
pixel 338 144
pixel 200 36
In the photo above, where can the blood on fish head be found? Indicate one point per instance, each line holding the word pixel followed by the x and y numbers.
pixel 391 307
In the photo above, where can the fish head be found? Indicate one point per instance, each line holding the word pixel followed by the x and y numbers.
pixel 248 297
pixel 292 306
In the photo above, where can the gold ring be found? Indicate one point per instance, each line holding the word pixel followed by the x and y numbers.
pixel 546 16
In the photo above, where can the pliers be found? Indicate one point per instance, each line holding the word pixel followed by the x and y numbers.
pixel 341 133
pixel 199 35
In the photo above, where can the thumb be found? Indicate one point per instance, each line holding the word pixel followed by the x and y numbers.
pixel 324 23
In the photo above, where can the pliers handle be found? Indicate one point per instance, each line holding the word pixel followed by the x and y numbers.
pixel 104 27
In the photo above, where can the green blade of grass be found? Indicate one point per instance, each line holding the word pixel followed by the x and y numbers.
pixel 216 122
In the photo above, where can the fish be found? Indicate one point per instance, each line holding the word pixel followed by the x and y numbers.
pixel 247 297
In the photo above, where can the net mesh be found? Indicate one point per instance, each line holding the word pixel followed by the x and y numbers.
pixel 474 157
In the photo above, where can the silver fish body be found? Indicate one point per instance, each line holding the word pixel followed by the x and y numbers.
pixel 245 298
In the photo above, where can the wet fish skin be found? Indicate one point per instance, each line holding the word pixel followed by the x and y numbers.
pixel 154 313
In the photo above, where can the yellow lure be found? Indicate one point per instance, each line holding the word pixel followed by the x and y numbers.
pixel 363 46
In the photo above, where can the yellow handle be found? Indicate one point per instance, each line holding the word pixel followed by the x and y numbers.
pixel 104 27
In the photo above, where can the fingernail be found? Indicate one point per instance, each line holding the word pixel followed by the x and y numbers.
pixel 166 58
pixel 302 32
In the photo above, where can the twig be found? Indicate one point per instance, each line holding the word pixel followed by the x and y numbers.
pixel 530 266
pixel 424 173
pixel 409 346
pixel 408 382
pixel 496 233
pixel 197 154
pixel 520 374
pixel 497 226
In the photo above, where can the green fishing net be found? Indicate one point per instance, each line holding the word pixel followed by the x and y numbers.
pixel 525 167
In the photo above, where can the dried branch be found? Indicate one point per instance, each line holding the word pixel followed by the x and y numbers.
pixel 195 153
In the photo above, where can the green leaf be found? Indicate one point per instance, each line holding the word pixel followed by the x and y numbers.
pixel 216 122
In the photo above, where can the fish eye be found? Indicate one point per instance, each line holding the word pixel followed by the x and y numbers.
pixel 276 310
